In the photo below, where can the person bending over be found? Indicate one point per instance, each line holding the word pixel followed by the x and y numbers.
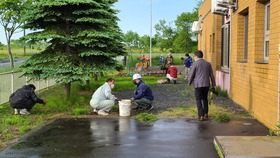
pixel 23 99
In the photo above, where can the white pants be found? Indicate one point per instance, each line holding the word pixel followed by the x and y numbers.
pixel 171 78
pixel 187 70
pixel 104 105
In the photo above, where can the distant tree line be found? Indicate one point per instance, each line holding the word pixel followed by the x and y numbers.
pixel 168 38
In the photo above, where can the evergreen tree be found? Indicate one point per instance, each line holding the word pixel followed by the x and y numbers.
pixel 83 37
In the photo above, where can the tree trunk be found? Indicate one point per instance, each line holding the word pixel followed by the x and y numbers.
pixel 67 89
pixel 87 86
pixel 10 53
pixel 95 77
pixel 24 44
pixel 87 83
pixel 101 74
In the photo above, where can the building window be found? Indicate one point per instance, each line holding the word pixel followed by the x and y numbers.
pixel 266 31
pixel 225 46
pixel 245 36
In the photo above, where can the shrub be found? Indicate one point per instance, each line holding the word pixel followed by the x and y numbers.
pixel 221 92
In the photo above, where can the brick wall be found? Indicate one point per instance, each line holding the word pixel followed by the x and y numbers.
pixel 253 82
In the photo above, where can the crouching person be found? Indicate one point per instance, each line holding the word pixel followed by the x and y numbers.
pixel 23 99
pixel 143 95
pixel 102 99
pixel 172 74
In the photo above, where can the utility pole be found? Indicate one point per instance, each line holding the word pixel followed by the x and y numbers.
pixel 151 21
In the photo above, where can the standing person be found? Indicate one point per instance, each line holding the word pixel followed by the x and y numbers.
pixel 102 99
pixel 23 99
pixel 188 64
pixel 160 59
pixel 200 75
pixel 172 74
pixel 143 95
pixel 169 59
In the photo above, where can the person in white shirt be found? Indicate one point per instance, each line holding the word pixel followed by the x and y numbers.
pixel 102 99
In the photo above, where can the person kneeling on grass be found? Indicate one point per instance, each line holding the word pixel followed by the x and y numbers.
pixel 172 74
pixel 23 99
pixel 143 95
pixel 102 99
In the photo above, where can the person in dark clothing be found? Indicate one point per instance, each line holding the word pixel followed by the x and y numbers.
pixel 23 99
pixel 200 76
pixel 188 65
pixel 143 95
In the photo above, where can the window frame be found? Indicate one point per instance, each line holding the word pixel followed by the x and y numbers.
pixel 225 49
pixel 246 36
pixel 266 31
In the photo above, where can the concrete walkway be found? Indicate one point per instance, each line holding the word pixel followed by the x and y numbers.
pixel 249 146
pixel 127 138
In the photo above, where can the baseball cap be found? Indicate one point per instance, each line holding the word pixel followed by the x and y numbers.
pixel 136 76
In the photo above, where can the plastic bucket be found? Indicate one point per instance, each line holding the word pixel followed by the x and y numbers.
pixel 125 107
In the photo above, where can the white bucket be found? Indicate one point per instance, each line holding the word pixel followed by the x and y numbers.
pixel 125 107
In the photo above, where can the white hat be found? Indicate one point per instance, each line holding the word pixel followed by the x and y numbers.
pixel 136 76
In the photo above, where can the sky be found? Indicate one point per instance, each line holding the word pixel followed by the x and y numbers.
pixel 135 15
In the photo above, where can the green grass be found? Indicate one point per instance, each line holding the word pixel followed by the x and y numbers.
pixel 17 52
pixel 80 111
pixel 218 151
pixel 218 113
pixel 57 105
pixel 179 112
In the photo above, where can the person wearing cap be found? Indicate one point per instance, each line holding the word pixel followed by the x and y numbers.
pixel 23 99
pixel 143 95
pixel 102 99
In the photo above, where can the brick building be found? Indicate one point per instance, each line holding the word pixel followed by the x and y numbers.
pixel 242 41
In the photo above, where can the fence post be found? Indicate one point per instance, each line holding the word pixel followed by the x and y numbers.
pixel 38 87
pixel 26 80
pixel 12 82
pixel 48 84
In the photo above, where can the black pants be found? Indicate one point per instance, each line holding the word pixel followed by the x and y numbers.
pixel 201 96
pixel 28 105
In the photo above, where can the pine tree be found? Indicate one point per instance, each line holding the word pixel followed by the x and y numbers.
pixel 83 37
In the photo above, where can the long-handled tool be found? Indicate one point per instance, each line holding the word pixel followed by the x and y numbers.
pixel 182 70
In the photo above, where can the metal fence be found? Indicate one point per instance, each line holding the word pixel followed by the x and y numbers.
pixel 11 81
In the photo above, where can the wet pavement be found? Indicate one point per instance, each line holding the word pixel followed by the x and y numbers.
pixel 127 138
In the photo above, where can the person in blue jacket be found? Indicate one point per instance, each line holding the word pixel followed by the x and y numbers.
pixel 143 95
pixel 188 65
